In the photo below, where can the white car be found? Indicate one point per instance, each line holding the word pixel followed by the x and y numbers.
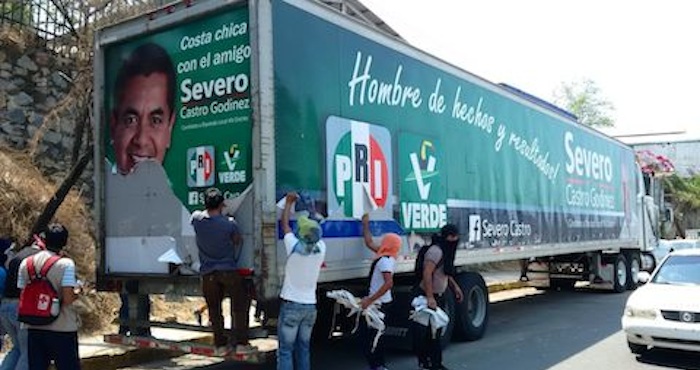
pixel 665 312
pixel 666 246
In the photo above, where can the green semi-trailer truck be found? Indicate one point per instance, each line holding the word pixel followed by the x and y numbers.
pixel 266 97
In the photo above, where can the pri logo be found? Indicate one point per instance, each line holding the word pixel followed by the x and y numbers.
pixel 200 166
pixel 359 173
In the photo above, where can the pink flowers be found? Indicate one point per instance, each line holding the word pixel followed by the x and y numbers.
pixel 652 163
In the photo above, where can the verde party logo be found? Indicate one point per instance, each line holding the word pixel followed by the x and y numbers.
pixel 234 165
pixel 359 167
pixel 422 189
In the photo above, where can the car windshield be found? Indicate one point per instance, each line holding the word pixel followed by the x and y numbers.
pixel 678 245
pixel 680 270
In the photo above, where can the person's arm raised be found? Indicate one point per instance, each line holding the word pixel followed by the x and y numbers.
pixel 291 198
pixel 367 234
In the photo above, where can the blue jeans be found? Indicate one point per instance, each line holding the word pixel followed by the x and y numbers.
pixel 294 328
pixel 17 358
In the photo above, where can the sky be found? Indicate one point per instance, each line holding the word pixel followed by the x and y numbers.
pixel 643 55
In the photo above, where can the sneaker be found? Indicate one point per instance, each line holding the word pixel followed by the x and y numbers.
pixel 222 350
pixel 245 349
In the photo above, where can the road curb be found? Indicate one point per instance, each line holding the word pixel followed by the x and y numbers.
pixel 509 285
pixel 134 356
pixel 130 357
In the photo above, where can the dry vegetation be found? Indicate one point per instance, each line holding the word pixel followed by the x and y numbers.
pixel 177 310
pixel 23 194
pixel 25 191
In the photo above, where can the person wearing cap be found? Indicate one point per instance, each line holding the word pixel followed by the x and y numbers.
pixel 218 238
pixel 438 271
pixel 57 341
pixel 381 281
pixel 305 253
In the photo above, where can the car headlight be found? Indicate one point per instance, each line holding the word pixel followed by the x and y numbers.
pixel 641 313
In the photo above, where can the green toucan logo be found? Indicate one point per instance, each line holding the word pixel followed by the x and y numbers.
pixel 423 168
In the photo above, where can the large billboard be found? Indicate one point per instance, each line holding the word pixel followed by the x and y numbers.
pixel 176 121
pixel 506 171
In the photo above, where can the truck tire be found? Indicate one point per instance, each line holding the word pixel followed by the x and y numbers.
pixel 472 315
pixel 634 266
pixel 620 269
pixel 651 257
pixel 450 309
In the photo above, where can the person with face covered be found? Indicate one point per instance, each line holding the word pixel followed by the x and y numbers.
pixel 305 253
pixel 143 117
pixel 381 281
pixel 437 275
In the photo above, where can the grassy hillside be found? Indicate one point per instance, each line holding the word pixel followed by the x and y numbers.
pixel 23 194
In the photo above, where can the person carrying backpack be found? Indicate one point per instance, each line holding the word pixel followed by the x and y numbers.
pixel 435 267
pixel 57 340
pixel 381 281
pixel 17 357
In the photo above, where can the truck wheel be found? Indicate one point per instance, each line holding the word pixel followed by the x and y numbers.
pixel 634 264
pixel 620 269
pixel 651 257
pixel 450 308
pixel 472 315
pixel 637 349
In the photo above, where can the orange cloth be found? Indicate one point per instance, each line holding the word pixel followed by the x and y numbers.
pixel 391 245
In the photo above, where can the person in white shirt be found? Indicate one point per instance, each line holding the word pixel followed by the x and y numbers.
pixel 305 253
pixel 380 283
pixel 57 341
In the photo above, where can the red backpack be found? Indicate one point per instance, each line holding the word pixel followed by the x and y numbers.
pixel 39 303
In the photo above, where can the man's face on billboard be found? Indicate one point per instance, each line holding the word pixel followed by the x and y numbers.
pixel 142 122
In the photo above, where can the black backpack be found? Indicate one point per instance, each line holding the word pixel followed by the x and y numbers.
pixel 374 265
pixel 420 261
pixel 11 290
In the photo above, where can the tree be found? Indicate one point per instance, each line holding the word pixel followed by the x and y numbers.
pixel 584 99
pixel 16 12
pixel 685 196
pixel 79 19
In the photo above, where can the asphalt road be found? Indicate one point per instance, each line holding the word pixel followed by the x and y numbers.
pixel 528 330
